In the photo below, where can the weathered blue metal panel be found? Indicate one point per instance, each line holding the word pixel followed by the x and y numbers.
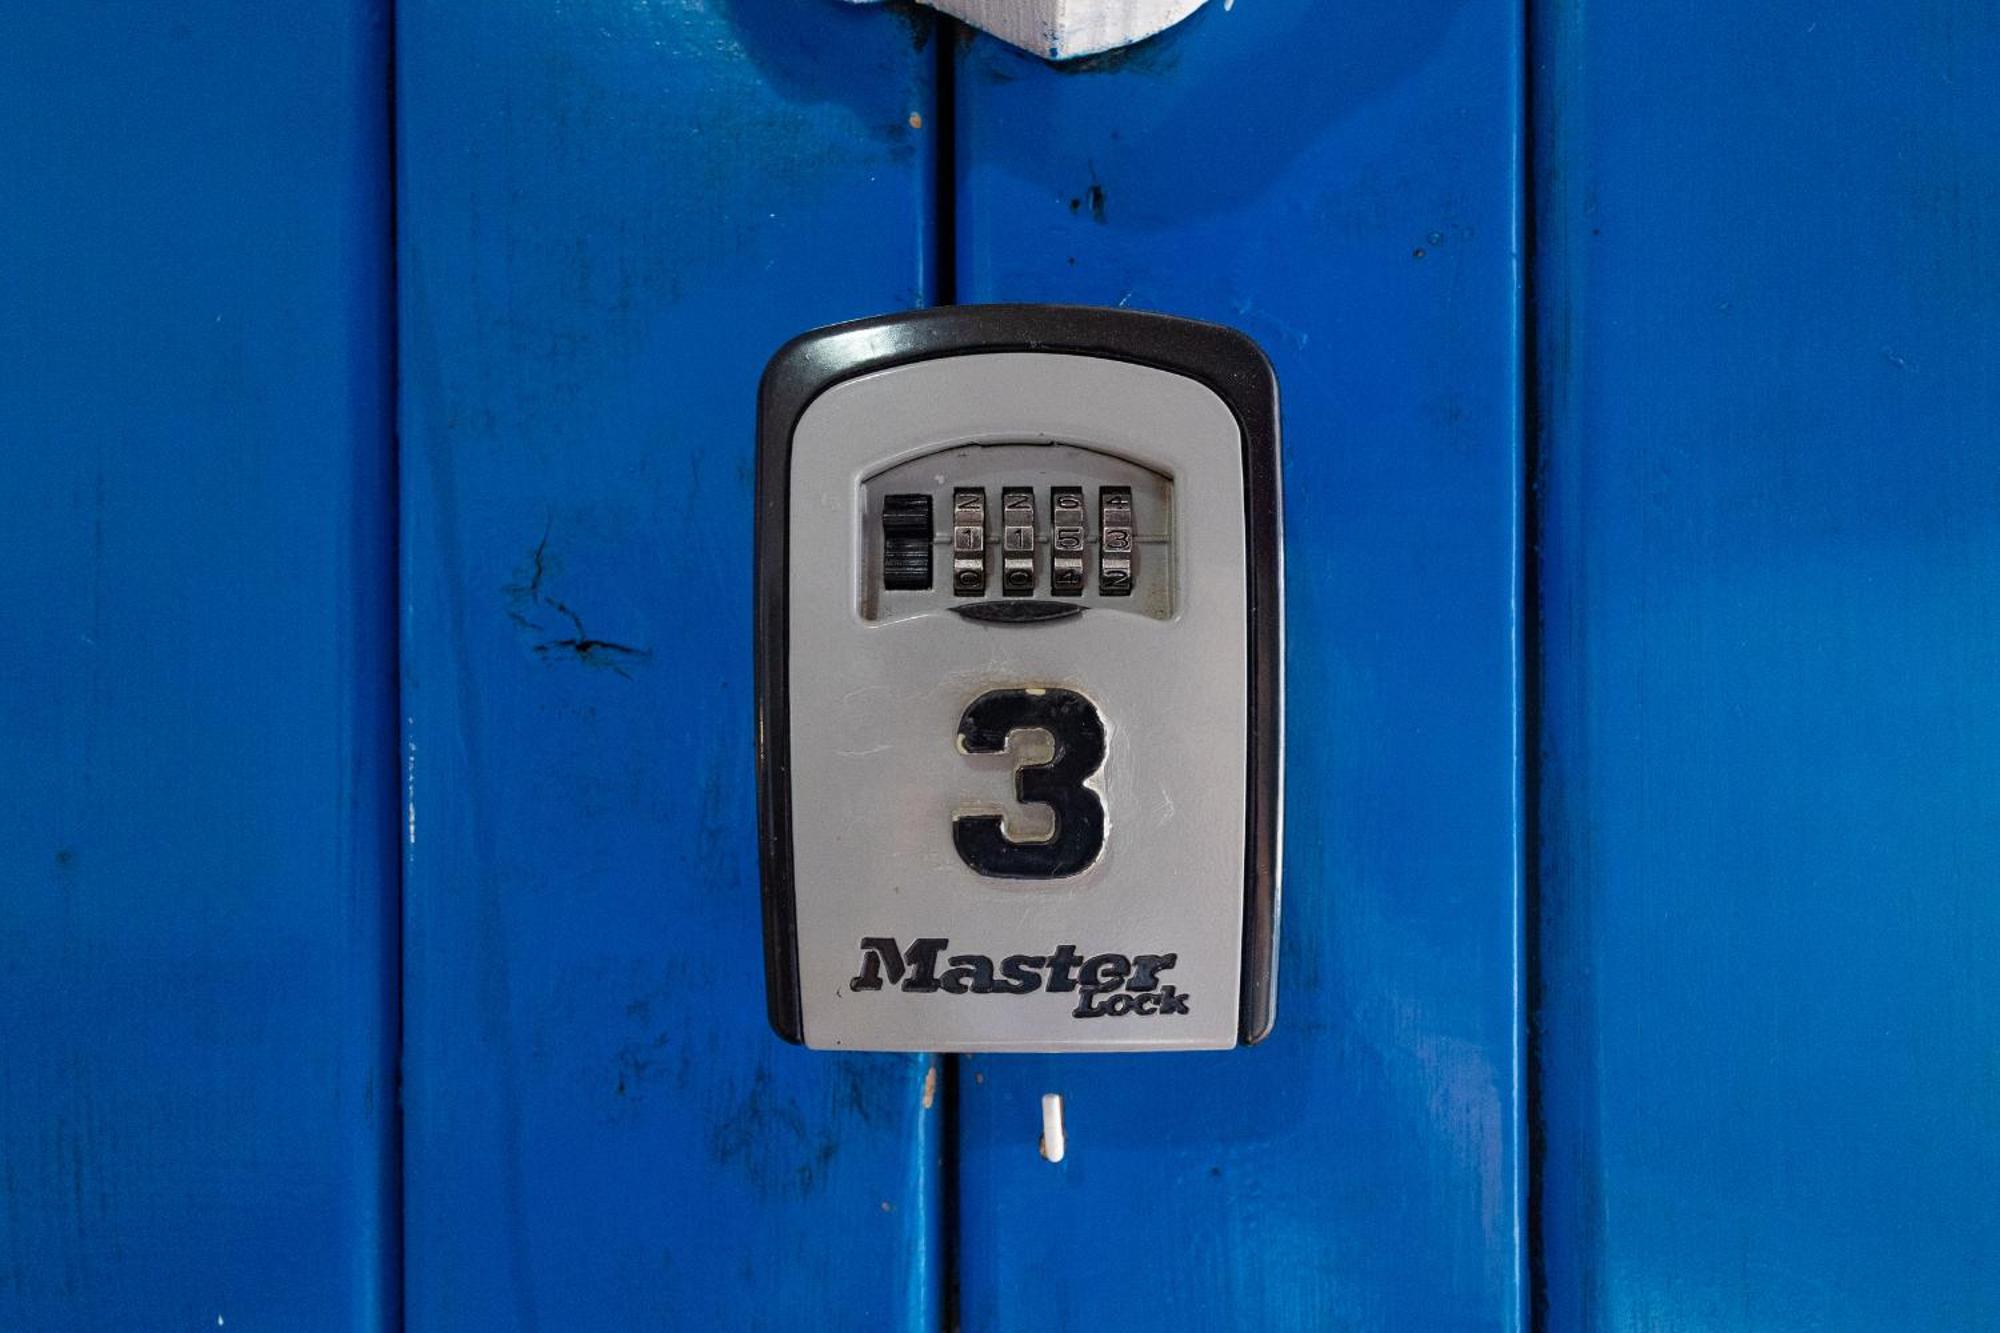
pixel 1338 180
pixel 611 215
pixel 197 687
pixel 1770 899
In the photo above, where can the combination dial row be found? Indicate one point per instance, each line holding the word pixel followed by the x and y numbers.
pixel 907 535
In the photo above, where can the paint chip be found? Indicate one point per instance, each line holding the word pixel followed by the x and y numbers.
pixel 930 1086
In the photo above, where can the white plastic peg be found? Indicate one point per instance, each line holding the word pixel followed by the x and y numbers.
pixel 1053 1145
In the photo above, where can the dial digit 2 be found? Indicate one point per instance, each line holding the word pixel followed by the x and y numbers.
pixel 1073 722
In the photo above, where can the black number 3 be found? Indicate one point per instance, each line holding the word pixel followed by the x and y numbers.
pixel 1078 732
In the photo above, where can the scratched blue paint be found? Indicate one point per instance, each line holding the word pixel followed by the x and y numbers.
pixel 1770 243
pixel 1767 312
pixel 197 688
pixel 610 216
pixel 1339 181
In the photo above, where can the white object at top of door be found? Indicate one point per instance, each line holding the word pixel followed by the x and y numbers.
pixel 1067 29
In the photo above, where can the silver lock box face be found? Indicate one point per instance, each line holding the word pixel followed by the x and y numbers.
pixel 1018 651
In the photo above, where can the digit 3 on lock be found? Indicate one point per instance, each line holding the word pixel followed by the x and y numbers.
pixel 1018 637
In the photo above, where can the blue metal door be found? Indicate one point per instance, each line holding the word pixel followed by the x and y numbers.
pixel 379 935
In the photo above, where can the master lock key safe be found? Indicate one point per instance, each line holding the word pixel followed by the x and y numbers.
pixel 1019 641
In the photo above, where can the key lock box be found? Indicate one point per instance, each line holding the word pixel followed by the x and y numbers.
pixel 1018 653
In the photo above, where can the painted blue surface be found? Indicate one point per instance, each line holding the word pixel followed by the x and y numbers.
pixel 1339 181
pixel 611 216
pixel 197 859
pixel 1766 801
pixel 1769 327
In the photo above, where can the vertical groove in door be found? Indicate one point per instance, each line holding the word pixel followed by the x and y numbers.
pixel 399 732
pixel 949 36
pixel 1534 115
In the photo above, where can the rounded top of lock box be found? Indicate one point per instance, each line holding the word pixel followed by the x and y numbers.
pixel 1224 359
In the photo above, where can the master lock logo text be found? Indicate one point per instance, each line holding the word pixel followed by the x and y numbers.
pixel 1108 985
